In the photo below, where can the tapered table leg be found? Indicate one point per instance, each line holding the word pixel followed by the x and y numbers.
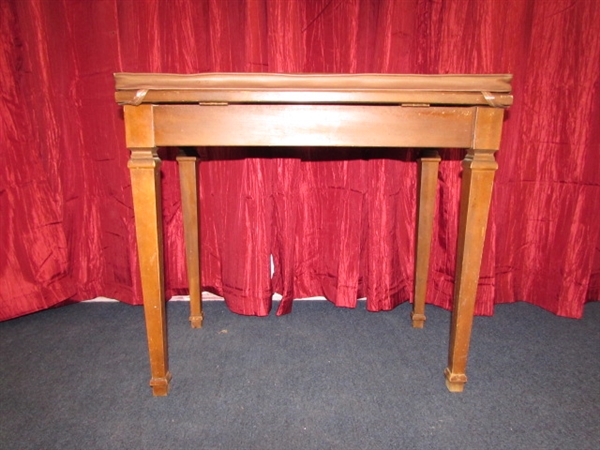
pixel 428 164
pixel 144 167
pixel 188 176
pixel 479 167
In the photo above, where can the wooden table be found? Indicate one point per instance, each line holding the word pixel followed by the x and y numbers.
pixel 367 110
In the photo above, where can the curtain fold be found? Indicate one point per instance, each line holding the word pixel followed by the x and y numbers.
pixel 336 222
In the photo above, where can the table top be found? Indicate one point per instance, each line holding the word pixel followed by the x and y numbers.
pixel 462 89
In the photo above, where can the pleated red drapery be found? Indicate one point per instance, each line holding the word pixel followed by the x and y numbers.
pixel 337 222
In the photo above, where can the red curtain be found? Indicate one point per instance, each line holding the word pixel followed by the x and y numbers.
pixel 338 223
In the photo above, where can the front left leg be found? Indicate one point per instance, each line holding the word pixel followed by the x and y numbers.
pixel 479 167
pixel 478 177
pixel 144 167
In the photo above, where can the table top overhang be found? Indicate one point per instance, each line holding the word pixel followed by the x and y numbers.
pixel 489 89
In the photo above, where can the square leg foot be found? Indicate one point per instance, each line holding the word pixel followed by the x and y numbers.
pixel 455 382
pixel 160 386
pixel 418 320
pixel 455 387
pixel 197 320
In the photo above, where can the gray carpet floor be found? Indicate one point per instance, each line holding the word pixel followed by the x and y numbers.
pixel 76 377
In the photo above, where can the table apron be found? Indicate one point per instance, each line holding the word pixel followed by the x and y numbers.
pixel 313 125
